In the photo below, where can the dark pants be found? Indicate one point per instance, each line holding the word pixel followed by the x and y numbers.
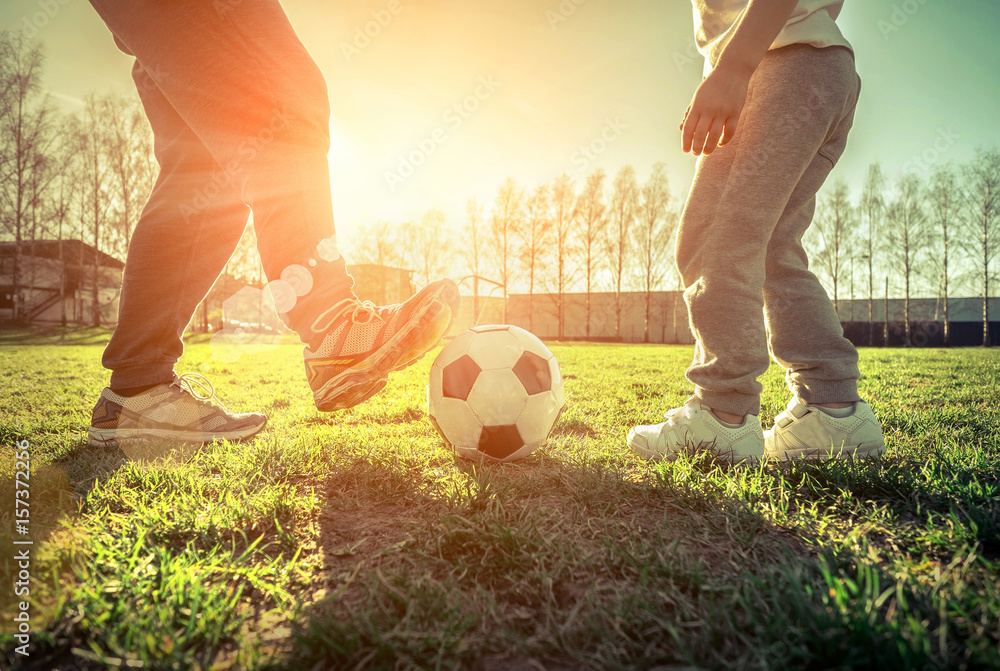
pixel 240 117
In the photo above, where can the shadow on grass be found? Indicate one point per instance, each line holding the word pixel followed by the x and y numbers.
pixel 551 564
pixel 569 563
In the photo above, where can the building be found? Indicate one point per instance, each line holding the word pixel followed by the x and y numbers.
pixel 55 280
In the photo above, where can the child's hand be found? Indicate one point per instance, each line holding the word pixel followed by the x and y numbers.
pixel 711 118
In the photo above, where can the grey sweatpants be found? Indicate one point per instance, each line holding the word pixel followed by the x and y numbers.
pixel 739 246
pixel 240 120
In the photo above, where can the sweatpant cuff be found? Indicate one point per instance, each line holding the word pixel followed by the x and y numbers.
pixel 731 402
pixel 826 391
pixel 142 374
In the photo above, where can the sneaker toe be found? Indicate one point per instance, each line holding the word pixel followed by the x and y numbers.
pixel 252 420
pixel 637 441
pixel 641 441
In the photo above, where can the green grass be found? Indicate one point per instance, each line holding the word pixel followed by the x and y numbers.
pixel 357 540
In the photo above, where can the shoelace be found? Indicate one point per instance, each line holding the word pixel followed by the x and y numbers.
pixel 333 312
pixel 200 388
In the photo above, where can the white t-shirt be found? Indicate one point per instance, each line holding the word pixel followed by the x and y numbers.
pixel 812 22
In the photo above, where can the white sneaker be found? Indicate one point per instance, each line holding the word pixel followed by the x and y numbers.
pixel 806 432
pixel 693 427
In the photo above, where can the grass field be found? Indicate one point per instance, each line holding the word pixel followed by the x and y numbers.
pixel 357 540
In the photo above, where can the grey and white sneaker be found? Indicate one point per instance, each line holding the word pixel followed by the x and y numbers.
pixel 692 427
pixel 806 432
pixel 185 410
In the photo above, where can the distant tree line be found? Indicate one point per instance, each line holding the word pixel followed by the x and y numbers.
pixel 930 237
pixel 550 239
pixel 915 237
pixel 86 175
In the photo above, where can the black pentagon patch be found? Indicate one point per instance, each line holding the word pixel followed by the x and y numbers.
pixel 458 377
pixel 500 442
pixel 533 372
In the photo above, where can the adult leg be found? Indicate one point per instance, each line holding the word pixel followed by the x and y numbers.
pixel 241 80
pixel 173 260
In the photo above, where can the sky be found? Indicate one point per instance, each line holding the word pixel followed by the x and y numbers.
pixel 480 91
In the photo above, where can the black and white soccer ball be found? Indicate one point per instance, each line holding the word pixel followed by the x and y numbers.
pixel 495 393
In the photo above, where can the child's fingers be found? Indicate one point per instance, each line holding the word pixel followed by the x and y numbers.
pixel 687 132
pixel 729 132
pixel 686 113
pixel 714 133
pixel 700 133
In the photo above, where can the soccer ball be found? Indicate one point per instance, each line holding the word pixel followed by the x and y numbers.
pixel 495 393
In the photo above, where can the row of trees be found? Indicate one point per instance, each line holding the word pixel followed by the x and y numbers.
pixel 549 239
pixel 86 176
pixel 930 237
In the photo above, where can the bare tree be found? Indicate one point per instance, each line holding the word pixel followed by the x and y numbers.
pixel 130 159
pixel 982 178
pixel 507 220
pixel 943 196
pixel 430 245
pixel 906 237
pixel 381 244
pixel 26 117
pixel 655 224
pixel 536 236
pixel 834 227
pixel 563 221
pixel 472 250
pixel 591 213
pixel 244 264
pixel 621 217
pixel 872 207
pixel 61 197
pixel 97 185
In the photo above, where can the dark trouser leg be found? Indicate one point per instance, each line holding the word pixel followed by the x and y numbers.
pixel 174 258
pixel 239 78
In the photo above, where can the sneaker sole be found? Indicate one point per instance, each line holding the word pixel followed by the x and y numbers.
pixel 370 376
pixel 653 455
pixel 436 330
pixel 862 451
pixel 115 437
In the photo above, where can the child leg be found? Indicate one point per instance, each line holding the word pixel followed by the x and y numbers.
pixel 796 105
